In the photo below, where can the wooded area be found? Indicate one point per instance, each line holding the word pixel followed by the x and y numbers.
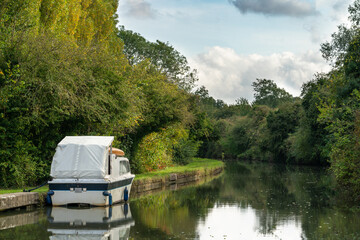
pixel 67 69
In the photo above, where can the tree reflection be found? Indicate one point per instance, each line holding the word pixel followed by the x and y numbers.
pixel 175 213
pixel 277 195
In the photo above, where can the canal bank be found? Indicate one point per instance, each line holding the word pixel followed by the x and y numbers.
pixel 172 181
pixel 170 178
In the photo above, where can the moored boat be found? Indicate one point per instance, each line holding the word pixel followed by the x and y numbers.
pixel 88 170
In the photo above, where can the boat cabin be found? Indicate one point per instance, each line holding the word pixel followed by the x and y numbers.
pixel 89 165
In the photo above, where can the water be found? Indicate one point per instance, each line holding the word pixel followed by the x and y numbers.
pixel 248 201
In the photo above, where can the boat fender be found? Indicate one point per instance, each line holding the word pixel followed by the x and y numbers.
pixel 106 193
pixel 126 194
pixel 48 197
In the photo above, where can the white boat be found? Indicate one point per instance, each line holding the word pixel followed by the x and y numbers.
pixel 88 170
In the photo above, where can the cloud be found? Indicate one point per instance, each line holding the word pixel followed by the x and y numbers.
pixel 339 5
pixel 139 9
pixel 291 8
pixel 228 75
pixel 334 10
pixel 333 13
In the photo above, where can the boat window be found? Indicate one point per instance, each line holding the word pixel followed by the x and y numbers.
pixel 124 167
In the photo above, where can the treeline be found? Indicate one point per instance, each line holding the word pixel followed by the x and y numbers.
pixel 275 127
pixel 66 69
pixel 321 127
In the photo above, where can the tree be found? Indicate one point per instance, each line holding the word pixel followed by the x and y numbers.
pixel 280 124
pixel 268 93
pixel 309 142
pixel 237 140
pixel 340 103
pixel 63 72
pixel 243 106
pixel 164 57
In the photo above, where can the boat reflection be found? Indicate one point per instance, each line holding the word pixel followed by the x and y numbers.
pixel 90 223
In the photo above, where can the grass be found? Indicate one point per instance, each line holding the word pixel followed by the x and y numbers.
pixel 198 164
pixel 43 189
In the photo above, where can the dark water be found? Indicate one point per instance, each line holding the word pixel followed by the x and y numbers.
pixel 248 201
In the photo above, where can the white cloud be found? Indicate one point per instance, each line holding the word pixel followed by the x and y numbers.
pixel 333 13
pixel 228 75
pixel 336 10
pixel 140 9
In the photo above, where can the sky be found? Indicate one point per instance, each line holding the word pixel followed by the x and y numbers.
pixel 231 43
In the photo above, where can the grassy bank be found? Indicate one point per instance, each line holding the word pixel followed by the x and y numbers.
pixel 198 164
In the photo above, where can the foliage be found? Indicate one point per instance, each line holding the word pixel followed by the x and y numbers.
pixel 308 144
pixel 344 125
pixel 156 150
pixel 280 124
pixel 339 107
pixel 238 140
pixel 259 131
pixel 164 57
pixel 185 150
pixel 268 93
pixel 63 72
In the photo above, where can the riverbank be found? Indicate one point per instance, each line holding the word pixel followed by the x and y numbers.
pixel 175 176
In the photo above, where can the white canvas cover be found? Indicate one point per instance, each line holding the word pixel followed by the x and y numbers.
pixel 81 157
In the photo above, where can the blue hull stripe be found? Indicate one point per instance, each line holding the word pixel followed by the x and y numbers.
pixel 90 186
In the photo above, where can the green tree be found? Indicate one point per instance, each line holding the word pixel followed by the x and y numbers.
pixel 63 72
pixel 280 124
pixel 164 57
pixel 309 142
pixel 268 93
pixel 237 140
pixel 340 102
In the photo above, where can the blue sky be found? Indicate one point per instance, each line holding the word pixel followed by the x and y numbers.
pixel 233 42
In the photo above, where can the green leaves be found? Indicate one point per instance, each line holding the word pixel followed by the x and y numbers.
pixel 268 93
pixel 63 72
pixel 340 103
pixel 162 56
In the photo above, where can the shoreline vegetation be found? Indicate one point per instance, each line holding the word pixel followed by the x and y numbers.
pixel 197 164
pixel 65 73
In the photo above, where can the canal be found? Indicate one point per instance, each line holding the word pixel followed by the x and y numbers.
pixel 248 201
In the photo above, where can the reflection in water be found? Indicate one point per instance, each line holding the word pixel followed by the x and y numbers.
pixel 242 223
pixel 249 201
pixel 91 223
pixel 19 219
pixel 23 224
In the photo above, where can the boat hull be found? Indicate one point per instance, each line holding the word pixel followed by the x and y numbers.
pixel 90 193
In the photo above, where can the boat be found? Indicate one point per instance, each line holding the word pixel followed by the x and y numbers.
pixel 88 170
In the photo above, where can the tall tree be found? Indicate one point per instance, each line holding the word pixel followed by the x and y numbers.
pixel 340 103
pixel 164 57
pixel 268 93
